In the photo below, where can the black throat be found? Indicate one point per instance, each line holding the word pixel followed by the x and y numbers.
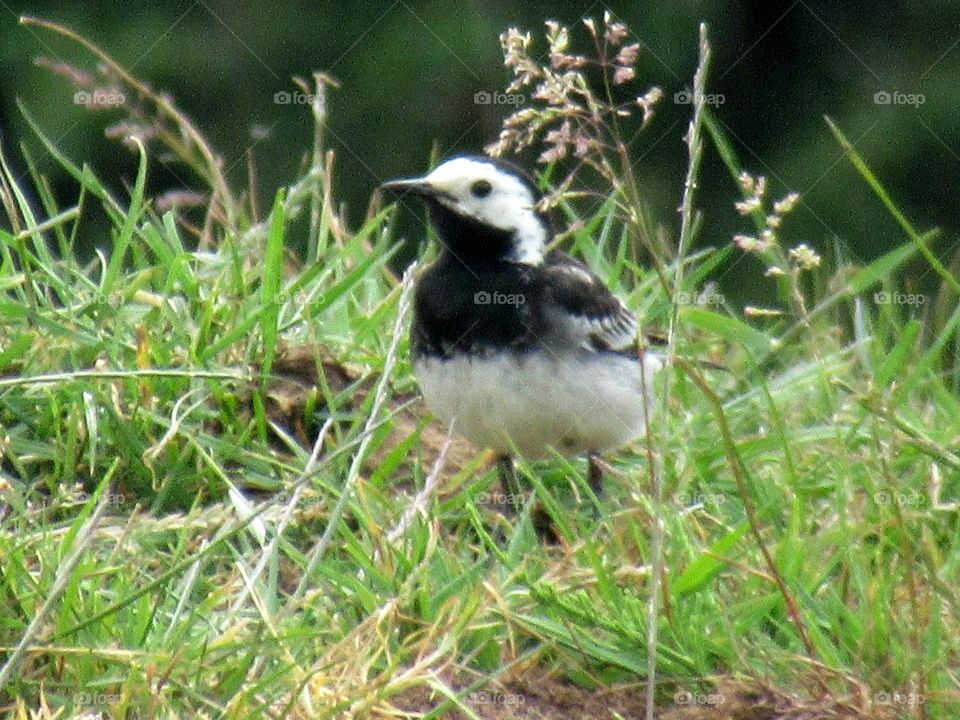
pixel 469 240
pixel 475 298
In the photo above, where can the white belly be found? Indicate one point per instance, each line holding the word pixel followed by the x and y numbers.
pixel 575 403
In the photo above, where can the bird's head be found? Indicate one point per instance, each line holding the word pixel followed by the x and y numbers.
pixel 482 208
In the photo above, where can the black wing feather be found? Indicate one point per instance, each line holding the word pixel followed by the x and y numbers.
pixel 596 316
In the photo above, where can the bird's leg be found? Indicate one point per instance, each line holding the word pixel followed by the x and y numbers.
pixel 594 474
pixel 595 480
pixel 508 481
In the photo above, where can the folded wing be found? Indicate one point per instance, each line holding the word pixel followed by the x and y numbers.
pixel 591 314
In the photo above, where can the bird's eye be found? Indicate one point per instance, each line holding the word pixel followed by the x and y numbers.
pixel 481 188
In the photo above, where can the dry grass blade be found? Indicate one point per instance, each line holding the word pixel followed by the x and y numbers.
pixel 695 145
pixel 211 169
pixel 84 538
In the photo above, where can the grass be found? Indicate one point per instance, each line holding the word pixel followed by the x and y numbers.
pixel 175 542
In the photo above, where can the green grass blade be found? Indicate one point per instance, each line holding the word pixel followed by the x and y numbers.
pixel 885 198
pixel 130 220
pixel 270 299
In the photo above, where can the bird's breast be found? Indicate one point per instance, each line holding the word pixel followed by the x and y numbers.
pixel 573 402
pixel 477 310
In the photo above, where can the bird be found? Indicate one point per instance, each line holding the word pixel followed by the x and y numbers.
pixel 517 347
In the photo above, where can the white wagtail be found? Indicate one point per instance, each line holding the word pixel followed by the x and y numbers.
pixel 520 348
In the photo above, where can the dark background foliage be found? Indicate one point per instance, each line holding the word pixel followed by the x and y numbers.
pixel 409 72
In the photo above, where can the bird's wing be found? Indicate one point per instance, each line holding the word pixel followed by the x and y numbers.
pixel 588 310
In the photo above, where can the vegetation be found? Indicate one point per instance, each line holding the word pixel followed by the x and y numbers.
pixel 201 518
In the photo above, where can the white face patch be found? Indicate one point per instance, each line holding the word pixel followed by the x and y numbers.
pixel 486 193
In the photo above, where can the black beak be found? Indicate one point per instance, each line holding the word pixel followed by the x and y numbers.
pixel 409 186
